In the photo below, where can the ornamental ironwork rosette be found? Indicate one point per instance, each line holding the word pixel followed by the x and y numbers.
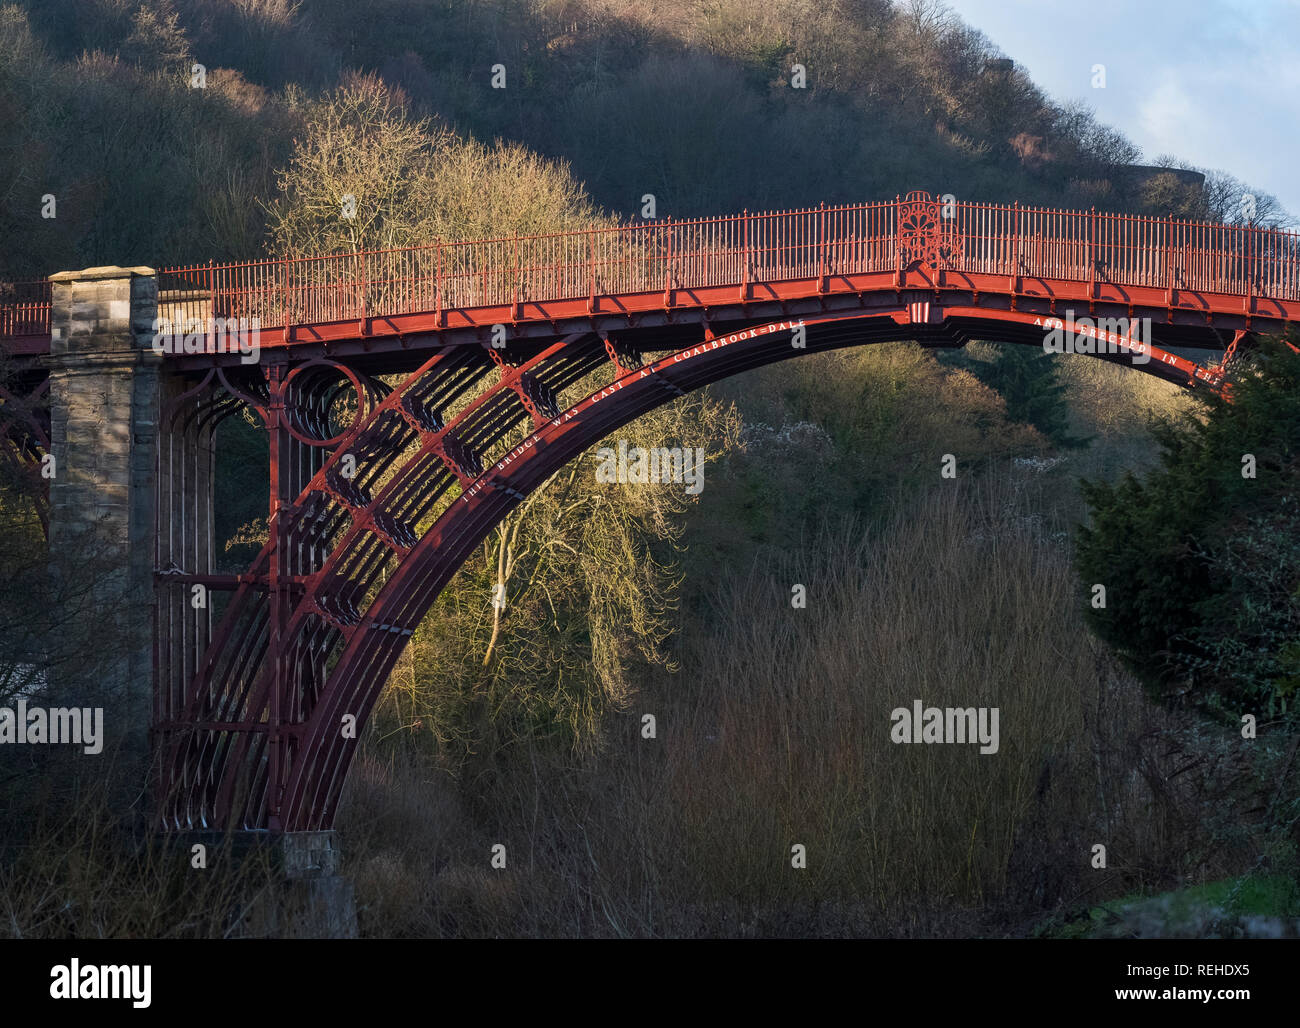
pixel 925 237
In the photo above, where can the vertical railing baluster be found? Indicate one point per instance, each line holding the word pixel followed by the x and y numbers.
pixel 437 285
pixel 821 248
pixel 1092 254
pixel 284 320
pixel 668 265
pixel 744 284
pixel 1250 278
pixel 1015 254
pixel 1169 260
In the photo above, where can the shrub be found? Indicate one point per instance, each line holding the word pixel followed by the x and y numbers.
pixel 1201 559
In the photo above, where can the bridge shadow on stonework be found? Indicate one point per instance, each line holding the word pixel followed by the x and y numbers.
pixel 412 398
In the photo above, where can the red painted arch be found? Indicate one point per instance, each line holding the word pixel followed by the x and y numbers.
pixel 314 784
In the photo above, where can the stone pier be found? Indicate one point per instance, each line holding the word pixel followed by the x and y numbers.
pixel 104 388
pixel 290 884
pixel 107 493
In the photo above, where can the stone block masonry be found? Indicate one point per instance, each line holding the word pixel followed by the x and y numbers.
pixel 104 402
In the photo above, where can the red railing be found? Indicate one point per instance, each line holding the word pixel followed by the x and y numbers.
pixel 750 248
pixel 25 308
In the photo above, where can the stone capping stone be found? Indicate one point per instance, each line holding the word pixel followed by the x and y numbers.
pixel 93 274
pixel 106 309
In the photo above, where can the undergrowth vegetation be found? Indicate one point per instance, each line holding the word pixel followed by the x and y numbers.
pixel 776 733
pixel 524 725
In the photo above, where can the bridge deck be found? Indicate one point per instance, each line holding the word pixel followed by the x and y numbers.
pixel 1191 271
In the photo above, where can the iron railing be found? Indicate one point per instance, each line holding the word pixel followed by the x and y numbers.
pixel 748 248
pixel 25 308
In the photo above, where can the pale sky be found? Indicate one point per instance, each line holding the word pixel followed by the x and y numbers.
pixel 1213 82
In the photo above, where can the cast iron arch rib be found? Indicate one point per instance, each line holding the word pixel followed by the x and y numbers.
pixel 332 616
